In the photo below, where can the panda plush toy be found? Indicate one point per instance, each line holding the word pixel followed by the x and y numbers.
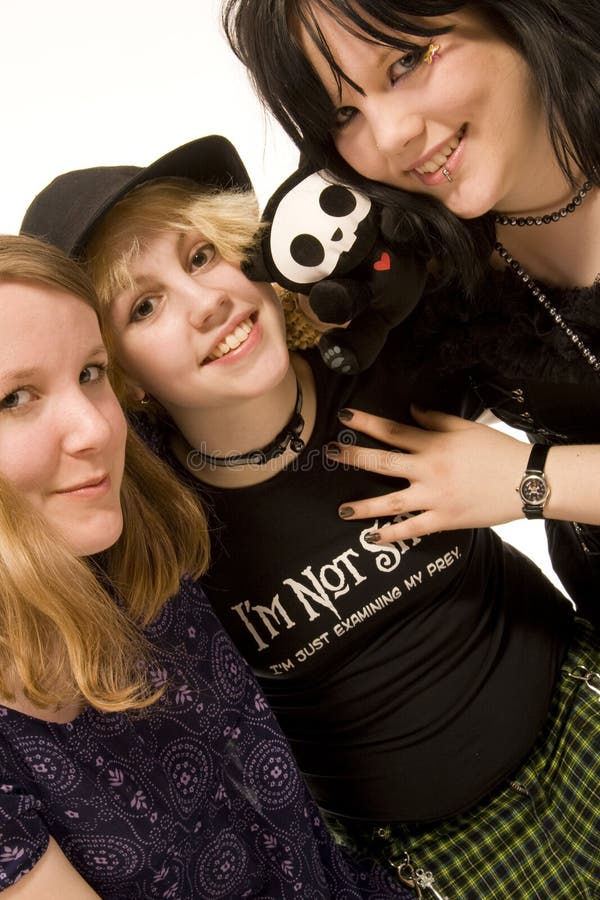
pixel 324 239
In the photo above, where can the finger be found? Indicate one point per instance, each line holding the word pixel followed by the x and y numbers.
pixel 434 420
pixel 385 462
pixel 396 434
pixel 414 527
pixel 384 506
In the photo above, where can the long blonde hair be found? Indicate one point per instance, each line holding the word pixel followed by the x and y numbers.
pixel 62 635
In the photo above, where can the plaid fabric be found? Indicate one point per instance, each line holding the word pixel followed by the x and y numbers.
pixel 537 836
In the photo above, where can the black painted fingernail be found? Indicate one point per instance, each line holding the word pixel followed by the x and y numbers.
pixel 332 449
pixel 345 415
pixel 373 537
pixel 345 512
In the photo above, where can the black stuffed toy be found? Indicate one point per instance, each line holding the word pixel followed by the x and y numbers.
pixel 324 239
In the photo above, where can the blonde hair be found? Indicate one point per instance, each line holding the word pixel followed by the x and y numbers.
pixel 62 635
pixel 227 219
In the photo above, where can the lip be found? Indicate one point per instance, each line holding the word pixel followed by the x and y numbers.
pixel 247 345
pixel 94 487
pixel 451 165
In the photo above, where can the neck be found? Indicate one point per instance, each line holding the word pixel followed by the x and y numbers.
pixel 561 254
pixel 240 426
pixel 247 426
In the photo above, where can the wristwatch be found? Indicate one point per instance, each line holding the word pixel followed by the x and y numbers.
pixel 533 489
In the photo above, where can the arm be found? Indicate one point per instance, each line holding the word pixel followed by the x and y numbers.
pixel 464 474
pixel 52 878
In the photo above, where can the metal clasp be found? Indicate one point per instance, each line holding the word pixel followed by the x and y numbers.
pixel 591 679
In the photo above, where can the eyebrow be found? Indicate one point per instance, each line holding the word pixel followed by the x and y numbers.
pixel 145 281
pixel 345 82
pixel 22 375
pixel 99 349
pixel 16 374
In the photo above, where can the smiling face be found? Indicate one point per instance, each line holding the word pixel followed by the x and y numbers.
pixel 62 431
pixel 193 331
pixel 463 102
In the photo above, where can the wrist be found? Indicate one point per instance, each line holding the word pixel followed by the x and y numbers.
pixel 534 485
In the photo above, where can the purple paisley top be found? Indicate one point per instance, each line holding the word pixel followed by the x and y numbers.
pixel 198 798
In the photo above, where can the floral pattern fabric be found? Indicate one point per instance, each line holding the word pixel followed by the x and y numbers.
pixel 197 798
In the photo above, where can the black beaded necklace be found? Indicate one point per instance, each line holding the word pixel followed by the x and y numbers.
pixel 547 219
pixel 289 436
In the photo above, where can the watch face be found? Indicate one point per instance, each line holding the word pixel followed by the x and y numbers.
pixel 534 489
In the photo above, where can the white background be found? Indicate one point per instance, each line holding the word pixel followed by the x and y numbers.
pixel 120 83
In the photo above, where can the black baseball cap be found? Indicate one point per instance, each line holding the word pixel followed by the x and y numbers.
pixel 65 212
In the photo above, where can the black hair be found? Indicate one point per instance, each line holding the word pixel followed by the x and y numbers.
pixel 557 38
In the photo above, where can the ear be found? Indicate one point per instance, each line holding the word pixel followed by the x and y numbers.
pixel 132 394
pixel 255 267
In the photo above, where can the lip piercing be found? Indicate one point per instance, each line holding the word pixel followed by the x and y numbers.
pixel 431 53
pixel 447 174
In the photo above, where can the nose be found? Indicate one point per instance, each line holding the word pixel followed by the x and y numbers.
pixel 86 426
pixel 207 306
pixel 394 129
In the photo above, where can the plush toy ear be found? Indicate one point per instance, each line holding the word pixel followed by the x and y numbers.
pixel 314 227
pixel 254 266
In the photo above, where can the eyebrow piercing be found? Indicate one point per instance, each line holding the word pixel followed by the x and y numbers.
pixel 447 174
pixel 431 53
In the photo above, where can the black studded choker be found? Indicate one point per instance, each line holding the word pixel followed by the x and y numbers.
pixel 287 437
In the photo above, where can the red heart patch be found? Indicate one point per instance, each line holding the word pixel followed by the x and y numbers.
pixel 384 263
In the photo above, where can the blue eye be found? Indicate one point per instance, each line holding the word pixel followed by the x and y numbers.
pixel 93 372
pixel 407 63
pixel 16 399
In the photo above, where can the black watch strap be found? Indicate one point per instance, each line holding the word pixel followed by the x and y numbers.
pixel 534 488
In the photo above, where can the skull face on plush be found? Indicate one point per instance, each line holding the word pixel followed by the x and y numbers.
pixel 324 239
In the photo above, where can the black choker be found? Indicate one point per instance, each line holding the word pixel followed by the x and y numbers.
pixel 288 436
pixel 503 219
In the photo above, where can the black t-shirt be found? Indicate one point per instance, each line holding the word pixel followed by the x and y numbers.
pixel 409 677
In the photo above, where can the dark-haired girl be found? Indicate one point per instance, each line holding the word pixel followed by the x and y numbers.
pixel 480 124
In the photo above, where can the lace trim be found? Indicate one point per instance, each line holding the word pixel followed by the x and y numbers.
pixel 505 329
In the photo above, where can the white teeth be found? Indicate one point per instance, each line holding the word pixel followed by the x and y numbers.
pixel 232 341
pixel 439 159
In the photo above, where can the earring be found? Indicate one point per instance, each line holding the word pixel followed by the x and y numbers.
pixel 145 400
pixel 431 53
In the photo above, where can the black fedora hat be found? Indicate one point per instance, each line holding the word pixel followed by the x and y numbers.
pixel 65 211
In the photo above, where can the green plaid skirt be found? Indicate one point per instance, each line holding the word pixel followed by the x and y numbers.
pixel 538 834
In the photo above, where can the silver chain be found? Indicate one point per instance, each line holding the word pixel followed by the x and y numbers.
pixel 539 295
pixel 547 219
